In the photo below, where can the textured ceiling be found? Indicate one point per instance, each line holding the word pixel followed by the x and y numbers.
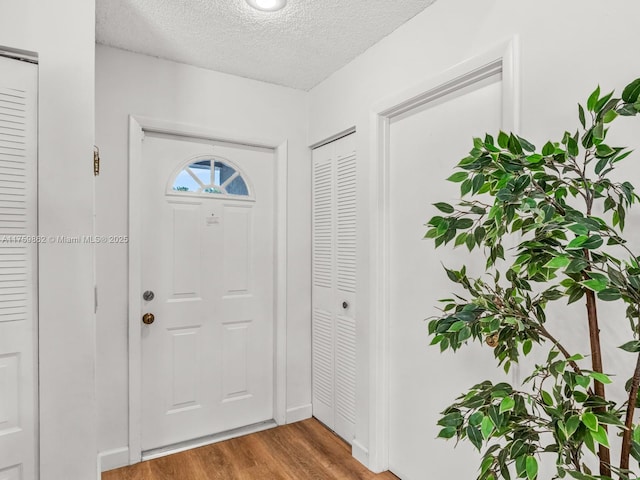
pixel 298 46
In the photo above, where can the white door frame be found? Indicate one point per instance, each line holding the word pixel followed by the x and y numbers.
pixel 137 127
pixel 503 59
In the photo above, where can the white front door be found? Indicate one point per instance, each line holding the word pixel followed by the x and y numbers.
pixel 425 145
pixel 208 258
pixel 18 269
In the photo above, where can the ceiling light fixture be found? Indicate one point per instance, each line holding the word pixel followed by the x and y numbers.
pixel 267 5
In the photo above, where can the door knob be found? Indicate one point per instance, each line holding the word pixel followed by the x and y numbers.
pixel 148 318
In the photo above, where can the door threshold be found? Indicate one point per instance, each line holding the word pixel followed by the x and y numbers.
pixel 208 440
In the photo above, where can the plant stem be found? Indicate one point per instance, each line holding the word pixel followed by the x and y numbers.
pixel 545 333
pixel 628 422
pixel 596 361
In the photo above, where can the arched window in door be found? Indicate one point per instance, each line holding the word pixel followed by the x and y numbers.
pixel 210 177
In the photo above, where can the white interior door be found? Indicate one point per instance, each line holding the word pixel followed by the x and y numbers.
pixel 425 145
pixel 18 270
pixel 334 285
pixel 208 258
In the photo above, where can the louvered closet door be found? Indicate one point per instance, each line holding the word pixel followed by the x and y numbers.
pixel 334 285
pixel 18 227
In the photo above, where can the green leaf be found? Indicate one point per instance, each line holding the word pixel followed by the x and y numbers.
pixel 460 239
pixel 458 177
pixel 603 150
pixel 444 207
pixel 532 468
pixel 600 377
pixel 593 242
pixel 507 404
pixel 576 242
pixel 514 145
pixel 598 132
pixel 603 162
pixel 464 223
pixel 572 147
pixel 610 116
pixel 447 432
pixel 590 421
pixel 593 99
pixel 632 346
pixel 578 229
pixel 609 295
pixel 576 266
pixel 580 476
pixel 470 242
pixel 600 436
pixel 605 103
pixel 486 427
pixel 548 149
pixel 476 419
pixel 527 346
pixel 558 262
pixel 528 146
pixel 475 436
pixel 503 139
pixel 478 182
pixel 572 425
pixel 465 187
pixel 456 327
pixel 581 116
pixel 594 285
pixel 632 91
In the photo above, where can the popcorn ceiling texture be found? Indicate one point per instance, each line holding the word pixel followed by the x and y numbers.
pixel 298 46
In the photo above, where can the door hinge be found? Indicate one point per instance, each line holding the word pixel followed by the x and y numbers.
pixel 96 161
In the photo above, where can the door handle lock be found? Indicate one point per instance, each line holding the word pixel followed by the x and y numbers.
pixel 148 318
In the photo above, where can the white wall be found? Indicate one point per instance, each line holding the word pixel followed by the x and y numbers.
pixel 128 83
pixel 63 35
pixel 567 48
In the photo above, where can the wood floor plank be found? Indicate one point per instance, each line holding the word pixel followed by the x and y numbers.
pixel 300 451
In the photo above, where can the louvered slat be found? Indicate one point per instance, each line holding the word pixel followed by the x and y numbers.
pixel 14 267
pixel 346 368
pixel 323 357
pixel 322 225
pixel 346 224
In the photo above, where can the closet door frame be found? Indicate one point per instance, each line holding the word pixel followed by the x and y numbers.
pixel 502 59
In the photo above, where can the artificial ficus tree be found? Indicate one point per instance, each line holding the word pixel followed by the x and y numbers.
pixel 566 216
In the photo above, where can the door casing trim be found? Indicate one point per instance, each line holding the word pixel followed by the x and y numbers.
pixel 502 59
pixel 138 125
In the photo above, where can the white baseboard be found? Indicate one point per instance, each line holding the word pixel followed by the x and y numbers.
pixel 360 452
pixel 111 459
pixel 296 414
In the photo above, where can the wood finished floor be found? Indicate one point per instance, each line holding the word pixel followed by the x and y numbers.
pixel 301 451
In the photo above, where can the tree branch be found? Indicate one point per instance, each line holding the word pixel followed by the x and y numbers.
pixel 545 333
pixel 628 423
pixel 596 361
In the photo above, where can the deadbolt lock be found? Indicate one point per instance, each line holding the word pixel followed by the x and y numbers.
pixel 148 295
pixel 148 318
